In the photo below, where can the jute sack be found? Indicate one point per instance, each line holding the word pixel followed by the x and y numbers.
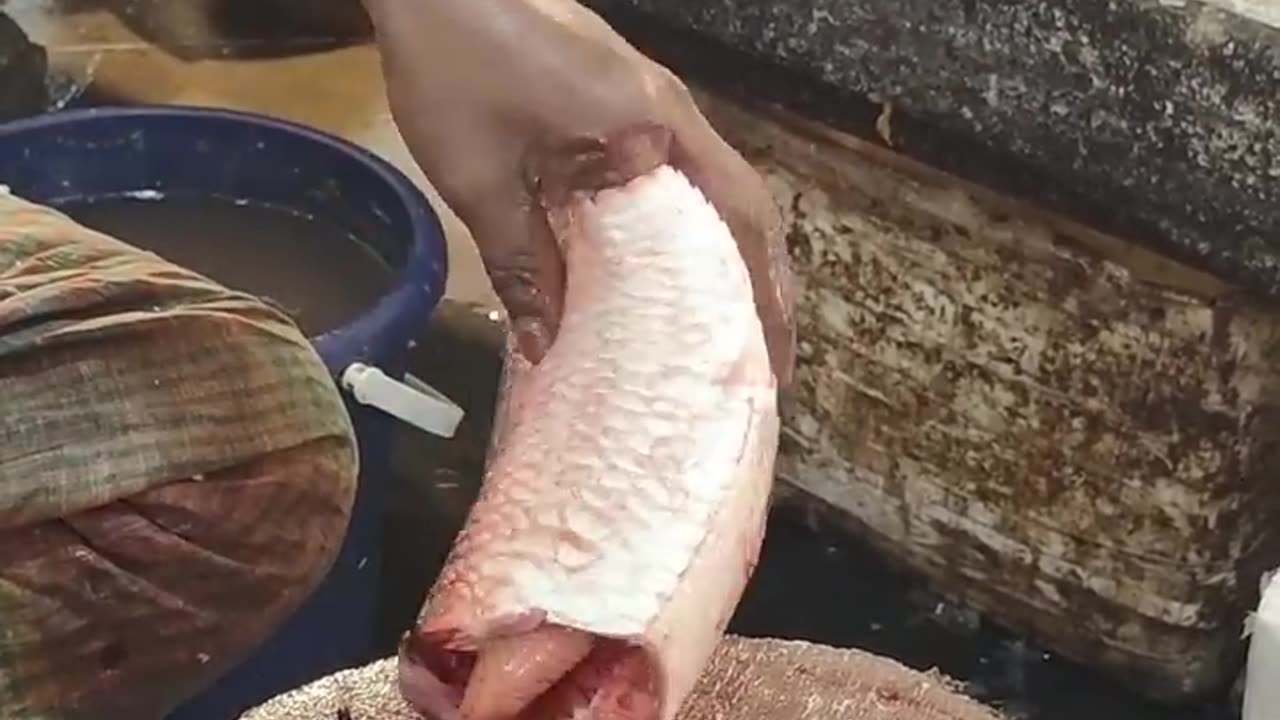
pixel 748 679
pixel 176 473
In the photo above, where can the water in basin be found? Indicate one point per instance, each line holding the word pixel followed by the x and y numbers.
pixel 314 270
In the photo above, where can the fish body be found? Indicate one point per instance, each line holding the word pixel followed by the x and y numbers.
pixel 624 501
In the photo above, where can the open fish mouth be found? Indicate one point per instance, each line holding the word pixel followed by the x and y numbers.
pixel 550 672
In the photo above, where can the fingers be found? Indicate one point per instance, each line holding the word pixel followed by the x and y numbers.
pixel 748 208
pixel 521 257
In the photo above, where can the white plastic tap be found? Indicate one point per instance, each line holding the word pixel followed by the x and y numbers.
pixel 412 400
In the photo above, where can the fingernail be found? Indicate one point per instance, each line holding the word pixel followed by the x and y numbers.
pixel 532 338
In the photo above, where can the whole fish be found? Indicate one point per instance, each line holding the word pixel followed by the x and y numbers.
pixel 625 496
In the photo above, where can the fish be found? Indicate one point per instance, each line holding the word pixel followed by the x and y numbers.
pixel 627 483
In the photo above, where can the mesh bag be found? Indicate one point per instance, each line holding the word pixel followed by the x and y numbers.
pixel 748 679
pixel 176 473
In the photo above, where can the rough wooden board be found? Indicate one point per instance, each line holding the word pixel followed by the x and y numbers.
pixel 747 679
pixel 1060 431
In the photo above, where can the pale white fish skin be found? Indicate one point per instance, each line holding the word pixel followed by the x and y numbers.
pixel 629 476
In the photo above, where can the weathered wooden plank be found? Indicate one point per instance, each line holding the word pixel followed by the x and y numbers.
pixel 1057 427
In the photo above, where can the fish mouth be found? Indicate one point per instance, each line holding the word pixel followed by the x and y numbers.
pixel 551 672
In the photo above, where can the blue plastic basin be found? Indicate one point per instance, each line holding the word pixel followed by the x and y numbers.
pixel 84 154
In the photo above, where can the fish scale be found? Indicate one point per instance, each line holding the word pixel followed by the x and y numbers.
pixel 623 505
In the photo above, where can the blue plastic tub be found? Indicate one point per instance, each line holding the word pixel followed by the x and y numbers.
pixel 83 154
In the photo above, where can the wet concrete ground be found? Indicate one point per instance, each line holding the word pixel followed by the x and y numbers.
pixel 812 583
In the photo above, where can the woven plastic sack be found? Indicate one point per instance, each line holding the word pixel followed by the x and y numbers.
pixel 747 679
pixel 176 473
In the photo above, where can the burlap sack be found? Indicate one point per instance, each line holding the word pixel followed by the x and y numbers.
pixel 176 473
pixel 747 679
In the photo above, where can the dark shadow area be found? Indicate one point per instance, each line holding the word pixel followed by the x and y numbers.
pixel 436 480
pixel 826 586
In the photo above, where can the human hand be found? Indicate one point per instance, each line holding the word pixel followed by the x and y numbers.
pixel 476 86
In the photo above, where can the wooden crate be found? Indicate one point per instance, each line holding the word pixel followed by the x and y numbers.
pixel 1056 427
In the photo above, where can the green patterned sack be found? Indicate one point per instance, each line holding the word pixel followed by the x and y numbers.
pixel 176 473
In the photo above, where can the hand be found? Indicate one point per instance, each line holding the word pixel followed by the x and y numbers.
pixel 476 85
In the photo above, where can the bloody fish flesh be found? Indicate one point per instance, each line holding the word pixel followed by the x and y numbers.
pixel 627 484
